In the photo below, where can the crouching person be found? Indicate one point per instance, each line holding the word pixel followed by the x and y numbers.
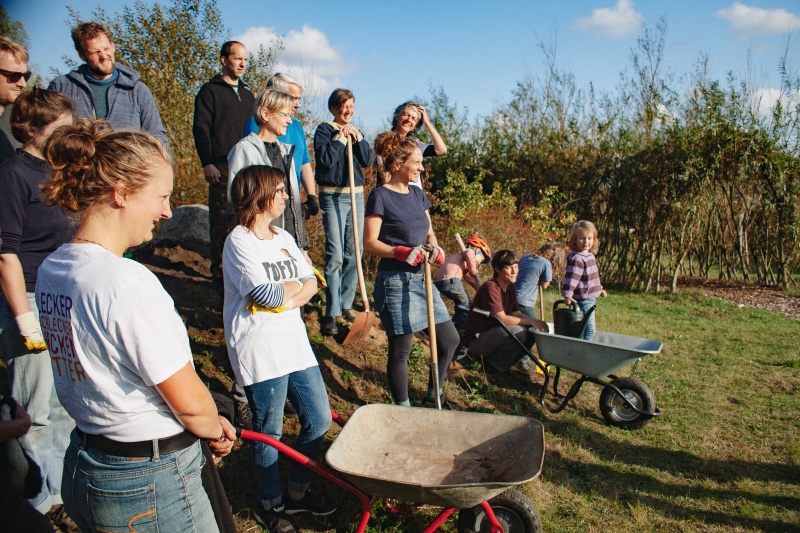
pixel 488 340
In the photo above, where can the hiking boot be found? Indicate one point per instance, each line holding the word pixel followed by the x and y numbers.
pixel 328 326
pixel 243 417
pixel 60 520
pixel 430 403
pixel 349 315
pixel 273 519
pixel 314 503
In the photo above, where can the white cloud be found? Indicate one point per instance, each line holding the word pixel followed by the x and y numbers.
pixel 747 21
pixel 616 21
pixel 766 98
pixel 306 55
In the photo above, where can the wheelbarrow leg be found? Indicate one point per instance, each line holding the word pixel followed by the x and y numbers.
pixel 443 516
pixel 570 395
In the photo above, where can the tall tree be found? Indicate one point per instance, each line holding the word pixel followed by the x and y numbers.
pixel 13 29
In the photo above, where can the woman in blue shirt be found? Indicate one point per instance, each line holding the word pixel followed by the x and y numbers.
pixel 396 227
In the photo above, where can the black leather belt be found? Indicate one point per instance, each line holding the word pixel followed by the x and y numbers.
pixel 144 448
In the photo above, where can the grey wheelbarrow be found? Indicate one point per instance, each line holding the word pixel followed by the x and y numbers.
pixel 451 459
pixel 625 402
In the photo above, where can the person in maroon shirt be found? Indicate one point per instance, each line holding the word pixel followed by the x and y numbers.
pixel 483 336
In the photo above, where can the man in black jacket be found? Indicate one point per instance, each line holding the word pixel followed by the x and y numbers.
pixel 221 109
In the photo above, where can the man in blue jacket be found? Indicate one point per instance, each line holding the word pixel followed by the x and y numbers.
pixel 100 88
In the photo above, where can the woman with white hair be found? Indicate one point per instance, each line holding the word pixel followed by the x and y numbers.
pixel 273 114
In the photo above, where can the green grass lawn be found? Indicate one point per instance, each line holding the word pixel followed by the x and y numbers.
pixel 725 455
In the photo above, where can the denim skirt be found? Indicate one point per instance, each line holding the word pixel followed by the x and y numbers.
pixel 401 303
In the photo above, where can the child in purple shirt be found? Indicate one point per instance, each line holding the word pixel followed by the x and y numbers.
pixel 582 281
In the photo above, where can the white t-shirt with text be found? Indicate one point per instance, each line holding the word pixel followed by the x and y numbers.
pixel 263 345
pixel 113 334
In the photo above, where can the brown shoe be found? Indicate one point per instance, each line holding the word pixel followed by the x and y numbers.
pixel 61 521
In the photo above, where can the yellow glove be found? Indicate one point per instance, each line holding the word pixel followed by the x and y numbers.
pixel 254 308
pixel 31 332
pixel 320 277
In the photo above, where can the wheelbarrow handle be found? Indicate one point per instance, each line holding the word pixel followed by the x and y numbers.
pixel 315 467
pixel 525 349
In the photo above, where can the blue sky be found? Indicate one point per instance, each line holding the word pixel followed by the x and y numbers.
pixel 388 52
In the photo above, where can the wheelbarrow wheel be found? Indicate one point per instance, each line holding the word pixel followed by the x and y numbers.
pixel 516 513
pixel 616 411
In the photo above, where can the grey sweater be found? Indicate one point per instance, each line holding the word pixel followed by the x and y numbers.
pixel 130 102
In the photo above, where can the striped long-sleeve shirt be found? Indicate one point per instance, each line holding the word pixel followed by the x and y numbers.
pixel 582 280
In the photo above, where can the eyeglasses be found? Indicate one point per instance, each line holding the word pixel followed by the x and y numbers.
pixel 284 114
pixel 14 77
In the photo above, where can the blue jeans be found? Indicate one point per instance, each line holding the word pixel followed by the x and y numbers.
pixel 32 385
pixel 585 305
pixel 340 252
pixel 528 310
pixel 401 302
pixel 454 290
pixel 306 391
pixel 111 493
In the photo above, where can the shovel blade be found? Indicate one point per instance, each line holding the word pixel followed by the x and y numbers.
pixel 361 327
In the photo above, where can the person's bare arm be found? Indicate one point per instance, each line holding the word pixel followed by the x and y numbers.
pixel 191 403
pixel 431 238
pixel 438 143
pixel 12 281
pixel 544 284
pixel 519 319
pixel 372 246
pixel 14 429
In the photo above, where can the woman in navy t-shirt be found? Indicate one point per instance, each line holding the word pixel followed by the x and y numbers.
pixel 397 226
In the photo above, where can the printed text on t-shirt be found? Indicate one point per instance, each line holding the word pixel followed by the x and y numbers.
pixel 281 270
pixel 54 319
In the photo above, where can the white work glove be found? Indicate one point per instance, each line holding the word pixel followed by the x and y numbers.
pixel 30 329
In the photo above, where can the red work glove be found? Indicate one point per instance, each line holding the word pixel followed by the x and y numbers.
pixel 412 256
pixel 435 254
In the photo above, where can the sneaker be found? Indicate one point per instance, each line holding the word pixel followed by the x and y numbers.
pixel 314 503
pixel 243 417
pixel 273 519
pixel 349 315
pixel 60 520
pixel 328 326
pixel 461 353
pixel 528 365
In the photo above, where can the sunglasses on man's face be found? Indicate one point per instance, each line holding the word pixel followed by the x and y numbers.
pixel 14 77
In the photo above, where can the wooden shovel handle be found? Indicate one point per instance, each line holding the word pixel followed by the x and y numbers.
pixel 356 241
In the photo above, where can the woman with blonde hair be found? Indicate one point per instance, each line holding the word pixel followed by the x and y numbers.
pixel 273 114
pixel 124 368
